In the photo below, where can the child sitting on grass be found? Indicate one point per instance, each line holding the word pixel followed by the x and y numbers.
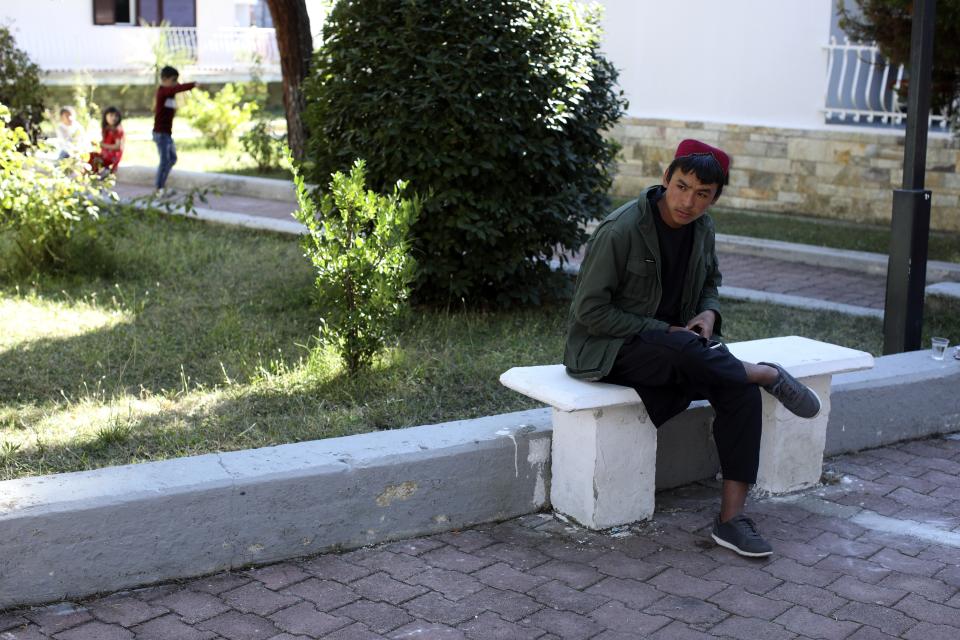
pixel 111 145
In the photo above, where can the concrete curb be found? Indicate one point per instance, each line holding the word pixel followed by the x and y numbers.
pixel 72 535
pixel 798 302
pixel 247 186
pixel 863 261
pixel 244 220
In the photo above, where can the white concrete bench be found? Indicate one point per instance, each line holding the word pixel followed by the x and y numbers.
pixel 604 447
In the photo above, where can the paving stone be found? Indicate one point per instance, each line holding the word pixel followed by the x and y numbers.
pixel 693 564
pixel 325 594
pixel 508 605
pixel 511 532
pixel 863 570
pixel 414 547
pixel 467 541
pixel 636 546
pixel 573 574
pixel 95 631
pixel 678 583
pixel 832 543
pixel 689 610
pixel 616 616
pixel 489 626
pixel 803 621
pixel 169 627
pixel 218 583
pixel 632 593
pixel 379 617
pixel 927 631
pixel 381 587
pixel 751 629
pixel 333 567
pixel 455 560
pixel 11 620
pixel 24 633
pixel 503 576
pixel 853 589
pixel 149 594
pixel 922 609
pixel 843 528
pixel 896 561
pixel 801 552
pixel 306 620
pixel 58 617
pixel 791 571
pixel 125 610
pixel 399 566
pixel 234 625
pixel 278 576
pixel 814 598
pixel 559 596
pixel 516 555
pixel 737 600
pixel 752 579
pixel 256 598
pixel 564 624
pixel 680 631
pixel 906 545
pixel 356 631
pixel 929 588
pixel 886 619
pixel 621 565
pixel 453 585
pixel 423 630
pixel 436 608
pixel 870 633
pixel 949 575
pixel 192 606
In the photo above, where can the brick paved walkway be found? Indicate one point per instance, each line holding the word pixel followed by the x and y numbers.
pixel 842 569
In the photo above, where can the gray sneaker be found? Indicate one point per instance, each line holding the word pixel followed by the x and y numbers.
pixel 740 534
pixel 798 398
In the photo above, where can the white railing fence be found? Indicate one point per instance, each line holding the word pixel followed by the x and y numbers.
pixel 863 87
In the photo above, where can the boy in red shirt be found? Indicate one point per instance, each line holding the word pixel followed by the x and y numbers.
pixel 164 109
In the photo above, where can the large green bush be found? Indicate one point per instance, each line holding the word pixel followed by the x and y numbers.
pixel 218 117
pixel 20 88
pixel 43 204
pixel 495 112
pixel 359 245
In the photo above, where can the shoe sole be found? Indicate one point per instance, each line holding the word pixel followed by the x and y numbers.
pixel 738 550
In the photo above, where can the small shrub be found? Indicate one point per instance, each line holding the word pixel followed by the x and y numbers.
pixel 496 107
pixel 20 88
pixel 263 145
pixel 218 117
pixel 43 204
pixel 359 245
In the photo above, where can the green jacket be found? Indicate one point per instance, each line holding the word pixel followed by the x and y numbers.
pixel 619 287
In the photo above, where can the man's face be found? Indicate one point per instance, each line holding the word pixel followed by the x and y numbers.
pixel 686 198
pixel 169 81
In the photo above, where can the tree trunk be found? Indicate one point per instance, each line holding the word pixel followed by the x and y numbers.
pixel 295 43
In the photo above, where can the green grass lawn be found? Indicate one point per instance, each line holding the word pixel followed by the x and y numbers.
pixel 177 338
pixel 821 232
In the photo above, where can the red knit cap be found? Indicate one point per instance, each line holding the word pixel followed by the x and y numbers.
pixel 690 147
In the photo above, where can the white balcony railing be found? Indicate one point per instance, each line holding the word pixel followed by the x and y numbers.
pixel 134 50
pixel 863 87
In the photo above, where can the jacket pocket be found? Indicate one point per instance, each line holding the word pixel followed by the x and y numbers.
pixel 640 279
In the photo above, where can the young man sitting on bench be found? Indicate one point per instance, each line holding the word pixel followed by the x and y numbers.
pixel 644 313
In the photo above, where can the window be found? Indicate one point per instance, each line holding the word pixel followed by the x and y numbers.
pixel 179 13
pixel 252 13
pixel 113 12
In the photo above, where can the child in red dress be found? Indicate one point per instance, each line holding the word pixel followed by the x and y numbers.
pixel 111 147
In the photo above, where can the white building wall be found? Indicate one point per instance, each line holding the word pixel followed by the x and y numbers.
pixel 755 62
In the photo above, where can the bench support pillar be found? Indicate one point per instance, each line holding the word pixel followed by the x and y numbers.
pixel 604 465
pixel 791 450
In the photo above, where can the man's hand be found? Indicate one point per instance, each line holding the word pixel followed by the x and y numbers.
pixel 703 323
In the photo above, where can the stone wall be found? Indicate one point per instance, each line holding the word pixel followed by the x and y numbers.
pixel 839 174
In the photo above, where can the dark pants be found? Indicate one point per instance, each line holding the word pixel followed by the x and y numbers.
pixel 168 156
pixel 670 370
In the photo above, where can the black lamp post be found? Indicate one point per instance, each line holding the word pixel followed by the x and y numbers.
pixel 910 227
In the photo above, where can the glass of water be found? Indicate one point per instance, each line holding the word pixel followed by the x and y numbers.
pixel 939 347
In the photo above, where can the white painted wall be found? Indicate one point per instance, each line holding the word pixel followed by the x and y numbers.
pixel 756 62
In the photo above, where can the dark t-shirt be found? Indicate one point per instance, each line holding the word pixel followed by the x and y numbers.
pixel 675 248
pixel 165 106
